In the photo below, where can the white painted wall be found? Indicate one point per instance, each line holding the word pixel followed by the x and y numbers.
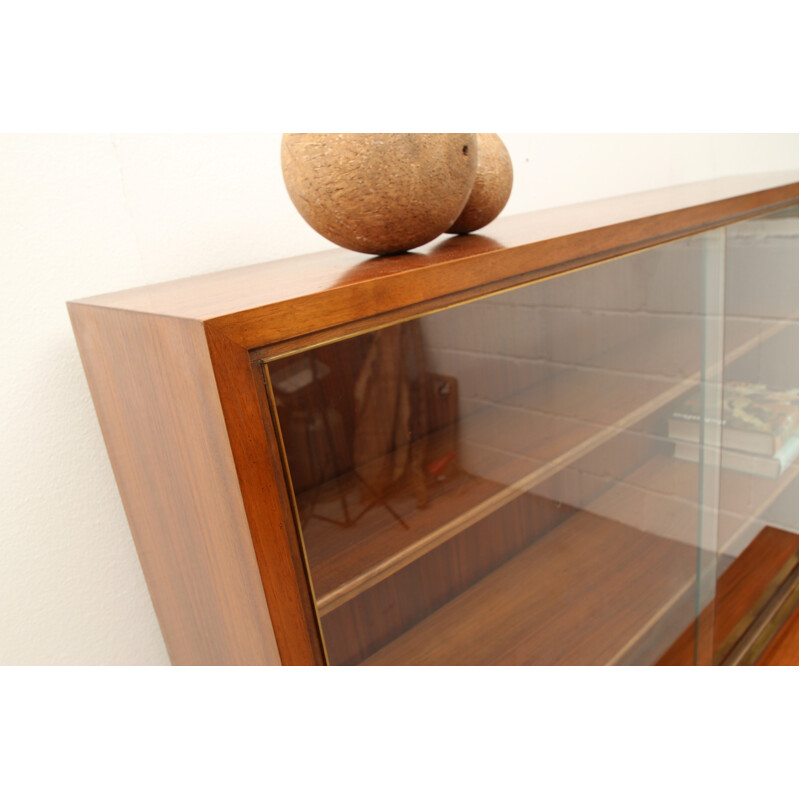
pixel 86 214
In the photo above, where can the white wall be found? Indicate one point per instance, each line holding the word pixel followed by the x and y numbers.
pixel 86 214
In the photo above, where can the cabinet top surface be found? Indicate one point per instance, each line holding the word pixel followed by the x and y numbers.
pixel 512 248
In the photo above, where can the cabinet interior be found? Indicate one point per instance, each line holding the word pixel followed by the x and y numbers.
pixel 494 483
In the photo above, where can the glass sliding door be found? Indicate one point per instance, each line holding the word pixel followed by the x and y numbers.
pixel 508 481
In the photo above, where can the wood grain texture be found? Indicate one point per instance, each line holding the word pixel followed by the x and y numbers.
pixel 782 651
pixel 293 302
pixel 156 397
pixel 264 494
pixel 745 581
pixel 373 618
pixel 574 597
pixel 610 561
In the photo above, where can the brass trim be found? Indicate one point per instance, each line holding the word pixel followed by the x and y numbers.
pixel 273 410
pixel 771 628
pixel 437 309
pixel 725 650
pixel 767 620
pixel 302 348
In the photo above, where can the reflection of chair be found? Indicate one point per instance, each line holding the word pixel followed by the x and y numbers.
pixel 363 422
pixel 317 445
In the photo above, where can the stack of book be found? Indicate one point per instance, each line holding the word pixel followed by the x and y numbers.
pixel 759 428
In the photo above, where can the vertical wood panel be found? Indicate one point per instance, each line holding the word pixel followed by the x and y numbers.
pixel 263 487
pixel 156 398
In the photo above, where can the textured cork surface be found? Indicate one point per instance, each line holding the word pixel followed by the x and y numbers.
pixel 379 193
pixel 492 186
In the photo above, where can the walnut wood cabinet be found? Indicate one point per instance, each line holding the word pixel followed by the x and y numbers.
pixel 445 457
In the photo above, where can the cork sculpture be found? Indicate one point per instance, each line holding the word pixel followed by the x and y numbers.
pixel 382 193
pixel 492 186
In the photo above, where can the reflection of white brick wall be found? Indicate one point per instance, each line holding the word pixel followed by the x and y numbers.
pixel 592 323
pixel 762 284
pixel 761 264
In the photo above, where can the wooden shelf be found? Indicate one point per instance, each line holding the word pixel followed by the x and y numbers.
pixel 592 591
pixel 513 448
pixel 577 596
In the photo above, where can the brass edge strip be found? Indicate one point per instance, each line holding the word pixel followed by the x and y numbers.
pixel 771 628
pixel 301 348
pixel 273 410
pixel 446 306
pixel 726 648
pixel 772 615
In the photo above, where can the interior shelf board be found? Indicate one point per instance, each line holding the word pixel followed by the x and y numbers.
pixel 575 596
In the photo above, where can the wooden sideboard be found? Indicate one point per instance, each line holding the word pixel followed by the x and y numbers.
pixel 221 477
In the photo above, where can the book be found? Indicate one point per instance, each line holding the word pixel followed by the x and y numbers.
pixel 763 466
pixel 756 419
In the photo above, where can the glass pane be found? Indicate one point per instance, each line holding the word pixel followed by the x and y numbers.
pixel 497 483
pixel 708 442
pixel 760 389
pixel 758 448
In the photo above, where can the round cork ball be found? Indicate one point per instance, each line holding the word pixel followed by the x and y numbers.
pixel 379 193
pixel 492 186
